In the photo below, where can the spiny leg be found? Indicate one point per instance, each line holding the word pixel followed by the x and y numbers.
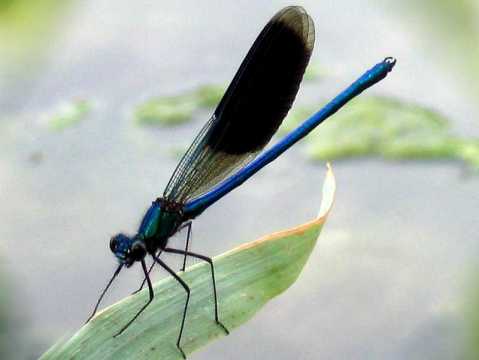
pixel 188 225
pixel 208 260
pixel 117 271
pixel 187 289
pixel 149 271
pixel 152 295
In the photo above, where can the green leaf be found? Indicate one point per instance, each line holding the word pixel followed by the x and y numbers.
pixel 247 278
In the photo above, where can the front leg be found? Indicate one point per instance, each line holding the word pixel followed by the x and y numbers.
pixel 152 295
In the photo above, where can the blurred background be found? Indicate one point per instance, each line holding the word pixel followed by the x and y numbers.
pixel 98 99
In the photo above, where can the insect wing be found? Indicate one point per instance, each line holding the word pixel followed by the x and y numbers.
pixel 252 109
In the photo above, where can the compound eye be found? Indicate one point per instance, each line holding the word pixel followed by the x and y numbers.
pixel 113 244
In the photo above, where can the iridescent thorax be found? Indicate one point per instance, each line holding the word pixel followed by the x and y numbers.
pixel 160 222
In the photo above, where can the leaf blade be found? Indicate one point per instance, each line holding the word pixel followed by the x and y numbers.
pixel 247 278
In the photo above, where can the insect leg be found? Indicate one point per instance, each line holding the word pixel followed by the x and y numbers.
pixel 117 271
pixel 149 271
pixel 152 295
pixel 189 234
pixel 208 260
pixel 187 289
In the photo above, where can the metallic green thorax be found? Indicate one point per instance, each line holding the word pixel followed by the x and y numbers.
pixel 159 223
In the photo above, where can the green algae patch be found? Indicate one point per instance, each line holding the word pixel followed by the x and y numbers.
pixel 166 111
pixel 178 109
pixel 247 278
pixel 313 72
pixel 386 128
pixel 69 114
pixel 469 153
pixel 208 96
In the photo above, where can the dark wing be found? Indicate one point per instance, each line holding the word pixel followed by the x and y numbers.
pixel 253 107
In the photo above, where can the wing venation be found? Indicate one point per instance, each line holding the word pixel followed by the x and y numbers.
pixel 252 108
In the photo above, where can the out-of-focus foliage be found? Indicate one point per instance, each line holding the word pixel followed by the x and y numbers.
pixel 368 126
pixel 26 27
pixel 209 95
pixel 452 27
pixel 178 109
pixel 68 114
pixel 174 110
pixel 165 111
pixel 314 72
pixel 388 128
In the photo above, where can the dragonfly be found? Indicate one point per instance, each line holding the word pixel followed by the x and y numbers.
pixel 228 149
